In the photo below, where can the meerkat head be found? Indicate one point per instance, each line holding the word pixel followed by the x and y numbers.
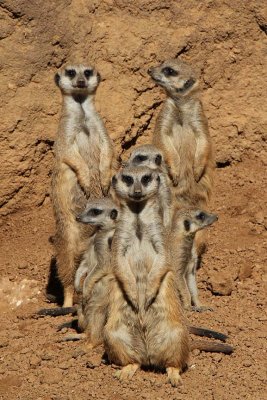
pixel 190 221
pixel 77 80
pixel 103 213
pixel 176 77
pixel 148 156
pixel 136 184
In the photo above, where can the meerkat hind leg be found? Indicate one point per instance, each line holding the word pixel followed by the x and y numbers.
pixel 174 376
pixel 127 372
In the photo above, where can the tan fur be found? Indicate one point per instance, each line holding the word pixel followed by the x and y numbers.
pixel 92 312
pixel 152 157
pixel 181 132
pixel 145 325
pixel 186 223
pixel 83 167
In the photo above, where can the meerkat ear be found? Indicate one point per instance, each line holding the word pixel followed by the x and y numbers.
pixel 99 77
pixel 114 181
pixel 187 225
pixel 57 78
pixel 113 214
pixel 158 159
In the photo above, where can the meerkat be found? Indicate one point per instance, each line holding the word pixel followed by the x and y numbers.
pixel 150 156
pixel 83 167
pixel 181 132
pixel 92 312
pixel 185 224
pixel 145 325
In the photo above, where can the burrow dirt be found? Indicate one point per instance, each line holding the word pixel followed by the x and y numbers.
pixel 226 40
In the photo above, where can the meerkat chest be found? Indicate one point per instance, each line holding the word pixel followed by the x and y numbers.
pixel 183 139
pixel 142 244
pixel 88 146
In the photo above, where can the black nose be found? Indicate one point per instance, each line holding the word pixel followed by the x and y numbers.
pixel 149 71
pixel 78 218
pixel 81 84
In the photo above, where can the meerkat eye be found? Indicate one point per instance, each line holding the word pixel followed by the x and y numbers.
pixel 94 212
pixel 186 225
pixel 139 159
pixel 113 214
pixel 88 73
pixel 168 71
pixel 127 179
pixel 146 179
pixel 71 73
pixel 201 216
pixel 158 159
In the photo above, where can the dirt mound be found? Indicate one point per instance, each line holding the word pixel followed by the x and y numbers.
pixel 227 41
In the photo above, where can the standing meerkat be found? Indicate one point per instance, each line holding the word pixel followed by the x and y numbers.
pixel 92 312
pixel 145 325
pixel 150 156
pixel 186 223
pixel 181 132
pixel 83 167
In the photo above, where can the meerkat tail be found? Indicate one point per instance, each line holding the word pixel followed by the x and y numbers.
pixel 212 347
pixel 195 330
pixel 55 312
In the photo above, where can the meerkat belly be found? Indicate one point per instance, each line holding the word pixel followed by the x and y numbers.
pixel 89 147
pixel 184 142
pixel 141 256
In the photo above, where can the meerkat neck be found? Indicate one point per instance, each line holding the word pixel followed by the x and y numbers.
pixel 139 208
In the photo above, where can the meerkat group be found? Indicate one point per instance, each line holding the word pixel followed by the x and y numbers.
pixel 130 245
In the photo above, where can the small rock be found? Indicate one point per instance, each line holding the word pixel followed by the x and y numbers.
pixel 245 271
pixel 247 363
pixel 22 266
pixel 195 352
pixel 220 284
pixel 77 353
pixel 216 357
pixel 34 361
pixel 51 375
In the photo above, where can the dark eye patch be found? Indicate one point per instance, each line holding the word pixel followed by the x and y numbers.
pixel 186 225
pixel 139 158
pixel 94 212
pixel 57 79
pixel 201 216
pixel 113 214
pixel 127 179
pixel 88 73
pixel 146 179
pixel 168 71
pixel 158 159
pixel 70 72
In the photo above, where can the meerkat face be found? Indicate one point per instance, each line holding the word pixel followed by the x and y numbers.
pixel 191 221
pixel 148 156
pixel 103 213
pixel 176 77
pixel 79 79
pixel 136 184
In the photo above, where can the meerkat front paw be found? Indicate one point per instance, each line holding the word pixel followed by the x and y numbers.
pixel 174 177
pixel 198 172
